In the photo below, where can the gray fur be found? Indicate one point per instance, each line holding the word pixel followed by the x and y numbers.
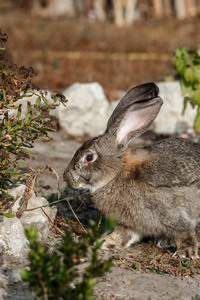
pixel 153 191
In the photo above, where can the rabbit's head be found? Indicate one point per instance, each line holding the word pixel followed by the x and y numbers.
pixel 99 159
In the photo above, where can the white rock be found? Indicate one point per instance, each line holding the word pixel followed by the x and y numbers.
pixel 170 119
pixel 12 239
pixel 37 217
pixel 35 201
pixel 87 110
pixel 38 221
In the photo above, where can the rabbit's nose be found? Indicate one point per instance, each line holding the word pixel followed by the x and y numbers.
pixel 70 176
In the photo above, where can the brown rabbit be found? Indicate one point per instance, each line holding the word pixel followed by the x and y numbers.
pixel 153 191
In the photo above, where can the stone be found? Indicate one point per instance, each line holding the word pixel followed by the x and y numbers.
pixel 87 110
pixel 170 119
pixel 38 217
pixel 12 239
pixel 14 247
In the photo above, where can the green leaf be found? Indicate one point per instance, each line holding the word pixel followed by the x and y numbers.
pixel 28 118
pixel 26 274
pixel 26 150
pixel 180 66
pixel 180 52
pixel 19 111
pixel 45 100
pixel 25 90
pixel 185 101
pixel 31 233
pixel 33 128
pixel 196 97
pixel 191 75
pixel 44 138
pixel 27 144
pixel 54 98
pixel 29 106
pixel 197 123
pixel 7 215
pixel 38 101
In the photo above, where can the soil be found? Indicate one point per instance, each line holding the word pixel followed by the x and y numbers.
pixel 144 271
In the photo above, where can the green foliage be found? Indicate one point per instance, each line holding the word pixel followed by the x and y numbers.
pixel 17 133
pixel 52 275
pixel 187 64
pixel 186 263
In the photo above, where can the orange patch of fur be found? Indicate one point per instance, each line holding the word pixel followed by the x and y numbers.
pixel 134 160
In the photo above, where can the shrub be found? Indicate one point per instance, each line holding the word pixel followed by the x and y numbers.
pixel 54 275
pixel 187 64
pixel 17 134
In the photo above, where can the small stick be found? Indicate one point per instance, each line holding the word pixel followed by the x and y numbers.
pixel 27 195
pixel 58 229
pixel 76 216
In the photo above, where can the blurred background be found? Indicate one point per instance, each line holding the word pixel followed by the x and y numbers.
pixel 118 43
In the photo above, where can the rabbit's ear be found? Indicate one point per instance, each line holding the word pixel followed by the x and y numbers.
pixel 132 116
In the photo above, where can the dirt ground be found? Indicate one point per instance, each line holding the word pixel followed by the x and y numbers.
pixel 144 271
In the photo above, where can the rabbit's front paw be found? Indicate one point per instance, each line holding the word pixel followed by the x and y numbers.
pixel 186 253
pixel 179 254
pixel 121 237
pixel 187 250
pixel 109 242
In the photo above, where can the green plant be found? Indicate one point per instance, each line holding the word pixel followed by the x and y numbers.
pixel 17 133
pixel 187 64
pixel 186 263
pixel 55 275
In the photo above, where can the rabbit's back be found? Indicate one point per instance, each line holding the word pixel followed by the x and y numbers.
pixel 169 162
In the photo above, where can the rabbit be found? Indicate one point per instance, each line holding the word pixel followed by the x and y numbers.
pixel 153 191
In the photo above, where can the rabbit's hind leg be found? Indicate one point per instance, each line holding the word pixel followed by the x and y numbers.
pixel 121 237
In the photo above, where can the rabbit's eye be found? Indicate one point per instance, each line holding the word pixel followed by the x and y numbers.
pixel 89 158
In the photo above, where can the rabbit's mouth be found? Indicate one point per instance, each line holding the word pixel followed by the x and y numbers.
pixel 75 180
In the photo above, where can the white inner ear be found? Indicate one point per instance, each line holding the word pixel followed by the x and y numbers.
pixel 133 121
